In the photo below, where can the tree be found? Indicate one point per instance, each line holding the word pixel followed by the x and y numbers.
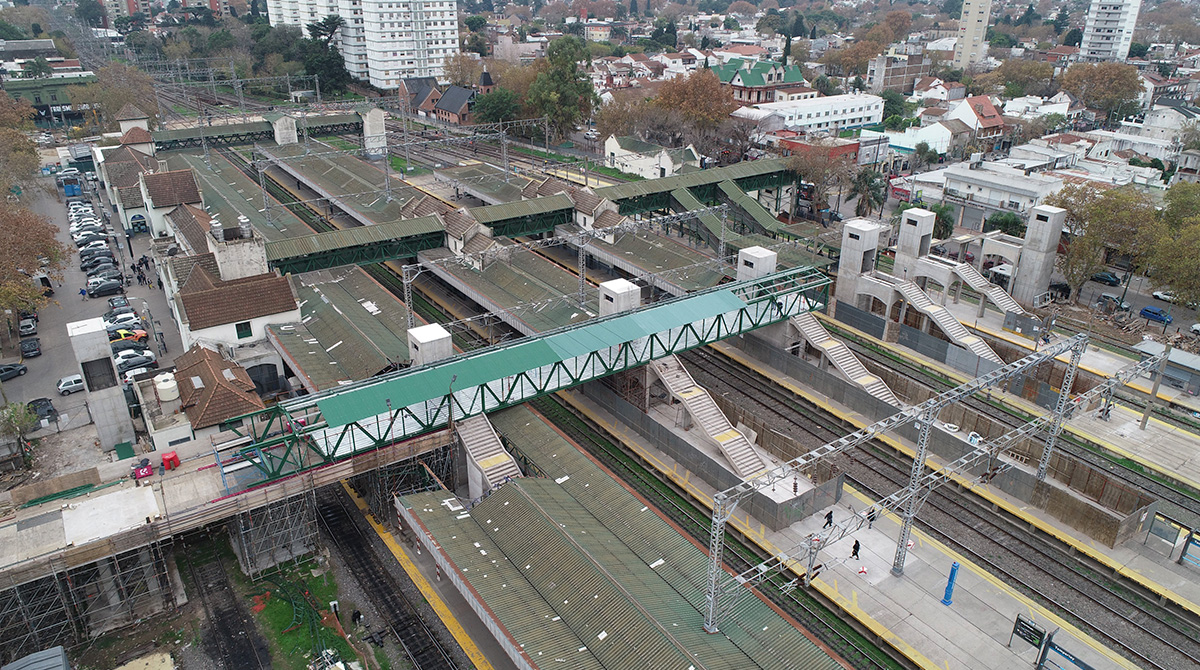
pixel 220 40
pixel 825 85
pixel 923 155
pixel 462 70
pixel 326 29
pixel 633 8
pixel 324 61
pixel 798 27
pixel 1138 50
pixel 10 32
pixel 475 23
pixel 1176 259
pixel 816 164
pixel 1073 37
pixel 24 238
pixel 1023 76
pixel 787 49
pixel 16 419
pixel 38 68
pixel 943 222
pixel 561 92
pixel 700 99
pixel 952 8
pixel 1120 220
pixel 1009 223
pixel 1182 205
pixel 1061 21
pixel 117 85
pixel 90 12
pixel 18 154
pixel 870 187
pixel 893 104
pixel 742 8
pixel 35 29
pixel 499 105
pixel 1103 86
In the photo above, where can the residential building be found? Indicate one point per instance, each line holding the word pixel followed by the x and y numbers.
pixel 454 106
pixel 795 93
pixel 1189 167
pixel 757 83
pixel 972 33
pixel 1165 120
pixel 981 116
pixel 1108 30
pixel 1031 107
pixel 1155 86
pixel 651 161
pixel 383 41
pixel 895 72
pixel 117 8
pixel 825 114
pixel 933 88
pixel 980 189
pixel 598 31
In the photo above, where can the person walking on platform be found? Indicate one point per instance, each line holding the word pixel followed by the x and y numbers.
pixel 871 518
pixel 828 519
pixel 854 550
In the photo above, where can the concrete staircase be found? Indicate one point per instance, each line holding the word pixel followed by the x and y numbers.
pixel 843 359
pixel 976 281
pixel 484 448
pixel 950 325
pixel 708 417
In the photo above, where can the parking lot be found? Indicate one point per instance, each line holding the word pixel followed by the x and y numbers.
pixel 57 359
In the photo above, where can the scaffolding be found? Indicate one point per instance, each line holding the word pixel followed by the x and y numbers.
pixel 425 473
pixel 281 532
pixel 78 595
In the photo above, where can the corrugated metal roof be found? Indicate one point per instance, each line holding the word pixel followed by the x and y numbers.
pixel 490 214
pixel 750 206
pixel 494 363
pixel 741 170
pixel 352 237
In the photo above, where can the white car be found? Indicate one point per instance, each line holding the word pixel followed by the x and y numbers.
pixel 1196 329
pixel 124 321
pixel 70 384
pixel 68 172
pixel 122 356
pixel 1163 295
pixel 94 245
pixel 130 374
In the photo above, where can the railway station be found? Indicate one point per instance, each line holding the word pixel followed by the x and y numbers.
pixel 644 424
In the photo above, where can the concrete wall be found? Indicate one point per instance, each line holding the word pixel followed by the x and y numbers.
pixel 89 342
pixel 771 513
pixel 238 258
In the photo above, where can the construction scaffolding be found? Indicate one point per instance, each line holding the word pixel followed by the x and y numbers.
pixel 283 531
pixel 73 597
pixel 428 472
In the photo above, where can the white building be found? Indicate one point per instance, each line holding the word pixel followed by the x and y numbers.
pixel 383 41
pixel 981 189
pixel 650 161
pixel 1108 30
pixel 830 113
pixel 971 46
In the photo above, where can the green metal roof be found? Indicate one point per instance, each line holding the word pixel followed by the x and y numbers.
pixel 490 214
pixel 212 131
pixel 741 170
pixel 352 237
pixel 470 370
pixel 750 206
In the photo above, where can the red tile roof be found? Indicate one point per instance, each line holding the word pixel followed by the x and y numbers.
pixel 985 111
pixel 193 224
pixel 137 135
pixel 209 302
pixel 130 112
pixel 212 389
pixel 169 189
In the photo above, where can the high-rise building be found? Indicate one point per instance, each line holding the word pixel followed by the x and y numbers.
pixel 383 41
pixel 972 33
pixel 1108 30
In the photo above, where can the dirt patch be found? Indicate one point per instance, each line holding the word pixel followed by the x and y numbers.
pixel 74 450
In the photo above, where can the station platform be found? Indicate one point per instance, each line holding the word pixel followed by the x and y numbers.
pixel 905 612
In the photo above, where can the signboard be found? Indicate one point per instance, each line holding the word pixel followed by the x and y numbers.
pixel 1027 630
pixel 1069 656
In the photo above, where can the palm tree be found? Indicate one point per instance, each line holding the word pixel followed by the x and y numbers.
pixel 871 189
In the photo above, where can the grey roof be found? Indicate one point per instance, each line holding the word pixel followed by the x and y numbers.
pixel 485 79
pixel 47 659
pixel 454 99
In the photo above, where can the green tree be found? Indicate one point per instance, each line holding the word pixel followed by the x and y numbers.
pixel 10 32
pixel 220 40
pixel 1108 87
pixel 35 29
pixel 499 105
pixel 953 8
pixel 16 419
pixel 923 155
pixel 475 23
pixel 1061 21
pixel 825 85
pixel 1138 50
pixel 870 187
pixel 1073 37
pixel 326 29
pixel 1009 223
pixel 893 104
pixel 38 68
pixel 633 7
pixel 562 92
pixel 1120 220
pixel 798 27
pixel 787 49
pixel 90 12
pixel 943 222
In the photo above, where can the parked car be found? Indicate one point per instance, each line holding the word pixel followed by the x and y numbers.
pixel 31 347
pixel 1164 295
pixel 1107 278
pixel 118 301
pixel 136 362
pixel 96 245
pixel 85 254
pixel 68 172
pixel 11 370
pixel 43 408
pixel 127 320
pixel 1112 301
pixel 70 384
pixel 1156 314
pixel 27 327
pixel 126 345
pixel 130 374
pixel 1195 329
pixel 123 356
pixel 126 334
pixel 105 272
pixel 106 287
pixel 91 242
pixel 97 261
pixel 116 311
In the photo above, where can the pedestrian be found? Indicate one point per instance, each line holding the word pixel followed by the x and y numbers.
pixel 871 517
pixel 828 519
pixel 854 550
pixel 83 294
pixel 160 284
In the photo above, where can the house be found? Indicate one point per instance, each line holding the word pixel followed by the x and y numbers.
pixel 1032 107
pixel 597 31
pixel 981 116
pixel 746 52
pixel 931 115
pixel 650 161
pixel 1061 57
pixel 422 93
pixel 131 117
pixel 233 312
pixel 1189 167
pixel 823 114
pixel 1155 86
pixel 932 88
pixel 455 106
pixel 139 139
pixel 757 83
pixel 162 192
pixel 1165 120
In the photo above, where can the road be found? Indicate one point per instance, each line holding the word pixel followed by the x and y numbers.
pixel 57 359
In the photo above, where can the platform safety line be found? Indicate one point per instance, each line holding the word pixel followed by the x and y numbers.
pixel 1030 606
pixel 1021 404
pixel 969 485
pixel 439 606
pixel 758 536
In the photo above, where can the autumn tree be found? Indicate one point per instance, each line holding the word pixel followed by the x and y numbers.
pixel 25 238
pixel 699 99
pixel 18 154
pixel 1122 220
pixel 1103 86
pixel 117 85
pixel 1017 78
pixel 1176 259
pixel 462 70
pixel 816 164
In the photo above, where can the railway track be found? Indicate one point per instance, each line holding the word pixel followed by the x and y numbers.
pixel 1134 623
pixel 420 644
pixel 231 643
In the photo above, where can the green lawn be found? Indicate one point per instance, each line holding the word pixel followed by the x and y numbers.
pixel 398 165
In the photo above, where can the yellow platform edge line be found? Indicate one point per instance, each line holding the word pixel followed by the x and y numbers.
pixel 1040 524
pixel 757 534
pixel 439 606
pixel 1017 404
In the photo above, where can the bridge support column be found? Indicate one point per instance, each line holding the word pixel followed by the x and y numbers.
pixel 285 530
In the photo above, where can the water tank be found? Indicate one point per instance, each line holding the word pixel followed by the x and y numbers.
pixel 167 387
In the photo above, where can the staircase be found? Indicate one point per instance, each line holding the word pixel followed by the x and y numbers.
pixel 953 329
pixel 485 450
pixel 843 359
pixel 703 409
pixel 976 281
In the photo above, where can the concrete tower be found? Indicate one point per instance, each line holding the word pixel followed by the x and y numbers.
pixel 972 33
pixel 1108 30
